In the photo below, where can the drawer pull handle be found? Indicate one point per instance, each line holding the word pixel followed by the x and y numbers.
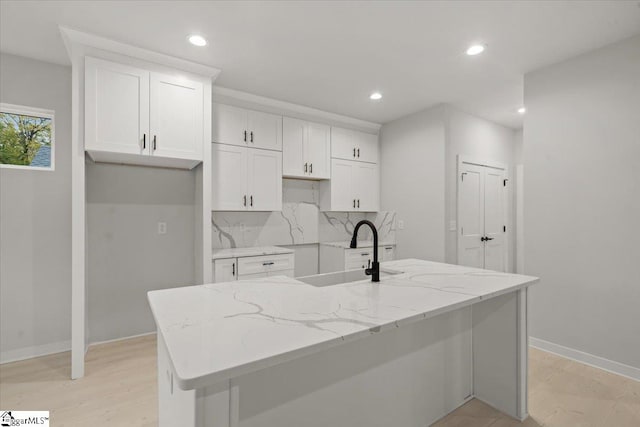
pixel 268 263
pixel 365 254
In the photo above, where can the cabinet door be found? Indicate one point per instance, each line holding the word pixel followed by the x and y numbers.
pixel 116 107
pixel 265 180
pixel 366 147
pixel 317 150
pixel 176 117
pixel 293 136
pixel 343 198
pixel 229 176
pixel 367 184
pixel 229 125
pixel 265 131
pixel 224 270
pixel 387 253
pixel 343 145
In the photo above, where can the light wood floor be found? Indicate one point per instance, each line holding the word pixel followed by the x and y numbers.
pixel 119 389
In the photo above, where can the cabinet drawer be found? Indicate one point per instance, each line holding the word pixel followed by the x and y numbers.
pixel 357 258
pixel 265 264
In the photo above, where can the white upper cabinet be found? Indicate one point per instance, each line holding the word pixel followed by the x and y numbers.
pixel 354 187
pixel 176 117
pixel 137 116
pixel 238 126
pixel 353 145
pixel 116 107
pixel 305 149
pixel 245 179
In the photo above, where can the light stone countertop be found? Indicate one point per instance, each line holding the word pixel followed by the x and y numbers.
pixel 219 331
pixel 246 252
pixel 361 244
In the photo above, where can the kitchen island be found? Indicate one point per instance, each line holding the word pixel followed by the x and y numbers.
pixel 402 352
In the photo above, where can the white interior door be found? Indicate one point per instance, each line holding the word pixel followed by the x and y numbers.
pixel 265 180
pixel 293 137
pixel 229 125
pixel 471 216
pixel 481 217
pixel 176 117
pixel 317 145
pixel 116 107
pixel 265 131
pixel 229 176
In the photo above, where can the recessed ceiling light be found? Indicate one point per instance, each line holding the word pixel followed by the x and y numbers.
pixel 522 110
pixel 476 49
pixel 375 96
pixel 197 40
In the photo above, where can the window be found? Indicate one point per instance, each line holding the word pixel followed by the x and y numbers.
pixel 26 137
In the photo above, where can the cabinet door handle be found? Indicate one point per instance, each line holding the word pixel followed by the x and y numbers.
pixel 306 167
pixel 358 203
pixel 311 168
pixel 144 141
pixel 245 136
pixel 354 203
pixel 251 200
pixel 154 143
pixel 358 153
pixel 233 269
pixel 244 200
pixel 354 152
pixel 251 136
pixel 268 263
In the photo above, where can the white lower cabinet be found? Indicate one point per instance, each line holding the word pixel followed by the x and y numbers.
pixel 334 258
pixel 354 187
pixel 253 267
pixel 245 179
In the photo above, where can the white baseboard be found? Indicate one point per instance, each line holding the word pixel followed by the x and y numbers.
pixel 586 358
pixel 120 339
pixel 34 351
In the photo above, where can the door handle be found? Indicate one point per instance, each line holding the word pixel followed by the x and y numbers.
pixel 245 136
pixel 251 136
pixel 306 168
pixel 354 151
pixel 144 141
pixel 244 200
pixel 154 143
pixel 251 200
pixel 311 168
pixel 354 203
pixel 358 153
pixel 488 238
pixel 358 203
pixel 233 269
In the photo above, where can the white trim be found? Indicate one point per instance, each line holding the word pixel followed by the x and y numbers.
pixel 78 39
pixel 586 358
pixel 121 339
pixel 30 352
pixel 238 98
pixel 24 110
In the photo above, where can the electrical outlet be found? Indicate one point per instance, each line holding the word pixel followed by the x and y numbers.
pixel 162 228
pixel 400 224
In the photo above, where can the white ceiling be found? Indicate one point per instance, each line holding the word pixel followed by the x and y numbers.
pixel 332 55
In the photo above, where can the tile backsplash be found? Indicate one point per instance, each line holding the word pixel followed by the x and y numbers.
pixel 300 222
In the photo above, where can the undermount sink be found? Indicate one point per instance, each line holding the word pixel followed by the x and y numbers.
pixel 339 277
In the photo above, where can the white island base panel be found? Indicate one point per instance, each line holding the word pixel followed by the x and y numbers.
pixel 409 373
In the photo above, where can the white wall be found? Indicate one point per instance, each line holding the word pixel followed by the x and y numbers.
pixel 582 202
pixel 476 139
pixel 126 255
pixel 412 170
pixel 35 222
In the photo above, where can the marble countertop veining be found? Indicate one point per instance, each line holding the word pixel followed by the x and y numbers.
pixel 361 244
pixel 246 252
pixel 215 332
